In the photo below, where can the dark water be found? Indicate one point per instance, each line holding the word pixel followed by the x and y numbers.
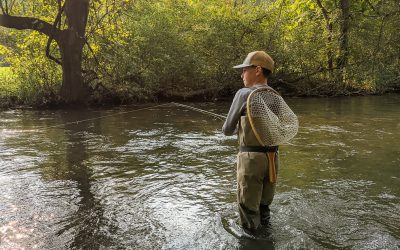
pixel 164 178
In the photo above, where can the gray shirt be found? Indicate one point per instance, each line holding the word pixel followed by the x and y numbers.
pixel 238 108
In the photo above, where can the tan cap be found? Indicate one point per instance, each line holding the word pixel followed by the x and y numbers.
pixel 257 58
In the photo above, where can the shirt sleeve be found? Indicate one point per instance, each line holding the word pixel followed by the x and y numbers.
pixel 237 108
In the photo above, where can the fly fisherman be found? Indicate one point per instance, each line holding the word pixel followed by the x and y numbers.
pixel 255 192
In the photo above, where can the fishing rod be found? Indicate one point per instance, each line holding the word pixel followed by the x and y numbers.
pixel 200 110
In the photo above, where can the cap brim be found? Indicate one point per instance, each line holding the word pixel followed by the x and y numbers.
pixel 241 66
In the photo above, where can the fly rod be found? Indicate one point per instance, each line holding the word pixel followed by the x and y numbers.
pixel 200 110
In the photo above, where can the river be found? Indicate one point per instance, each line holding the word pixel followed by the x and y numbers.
pixel 165 178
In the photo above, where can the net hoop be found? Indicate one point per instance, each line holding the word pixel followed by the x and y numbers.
pixel 252 124
pixel 271 119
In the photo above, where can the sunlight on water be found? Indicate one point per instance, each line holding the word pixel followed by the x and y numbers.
pixel 165 179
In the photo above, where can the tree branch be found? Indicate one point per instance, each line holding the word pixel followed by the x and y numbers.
pixel 307 74
pixel 2 7
pixel 12 5
pixel 23 23
pixel 51 37
pixel 370 5
pixel 324 11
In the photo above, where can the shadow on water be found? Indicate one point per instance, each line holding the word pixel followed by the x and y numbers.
pixel 87 223
pixel 256 244
pixel 261 239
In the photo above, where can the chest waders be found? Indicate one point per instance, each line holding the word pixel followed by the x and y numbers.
pixel 269 122
pixel 255 190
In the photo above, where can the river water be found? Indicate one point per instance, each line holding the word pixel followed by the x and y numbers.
pixel 164 178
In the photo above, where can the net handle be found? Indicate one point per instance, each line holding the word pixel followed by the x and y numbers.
pixel 253 127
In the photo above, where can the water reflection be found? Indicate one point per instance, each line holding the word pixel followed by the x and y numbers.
pixel 88 220
pixel 164 178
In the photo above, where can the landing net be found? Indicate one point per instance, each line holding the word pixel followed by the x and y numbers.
pixel 271 119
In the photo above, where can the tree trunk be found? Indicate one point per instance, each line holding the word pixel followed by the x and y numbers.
pixel 73 90
pixel 330 53
pixel 329 27
pixel 344 39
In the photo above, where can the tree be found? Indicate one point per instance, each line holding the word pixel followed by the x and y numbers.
pixel 344 38
pixel 70 41
pixel 329 28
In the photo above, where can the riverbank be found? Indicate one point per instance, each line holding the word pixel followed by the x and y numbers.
pixel 182 99
pixel 42 96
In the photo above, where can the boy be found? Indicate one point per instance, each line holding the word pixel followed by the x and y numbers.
pixel 255 192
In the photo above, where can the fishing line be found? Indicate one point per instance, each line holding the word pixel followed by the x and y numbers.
pixel 104 116
pixel 155 106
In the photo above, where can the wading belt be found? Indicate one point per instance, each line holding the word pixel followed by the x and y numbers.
pixel 270 154
pixel 258 149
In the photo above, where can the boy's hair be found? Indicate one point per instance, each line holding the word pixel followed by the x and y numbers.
pixel 266 72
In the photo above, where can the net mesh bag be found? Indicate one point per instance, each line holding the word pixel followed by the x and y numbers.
pixel 271 119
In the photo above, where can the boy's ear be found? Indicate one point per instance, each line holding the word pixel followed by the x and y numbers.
pixel 258 70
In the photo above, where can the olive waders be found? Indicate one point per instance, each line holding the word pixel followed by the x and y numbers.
pixel 255 192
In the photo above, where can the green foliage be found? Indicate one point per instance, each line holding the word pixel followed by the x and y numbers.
pixel 8 87
pixel 143 50
pixel 376 47
pixel 35 79
pixel 154 55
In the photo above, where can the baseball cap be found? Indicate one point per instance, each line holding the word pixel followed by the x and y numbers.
pixel 257 58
